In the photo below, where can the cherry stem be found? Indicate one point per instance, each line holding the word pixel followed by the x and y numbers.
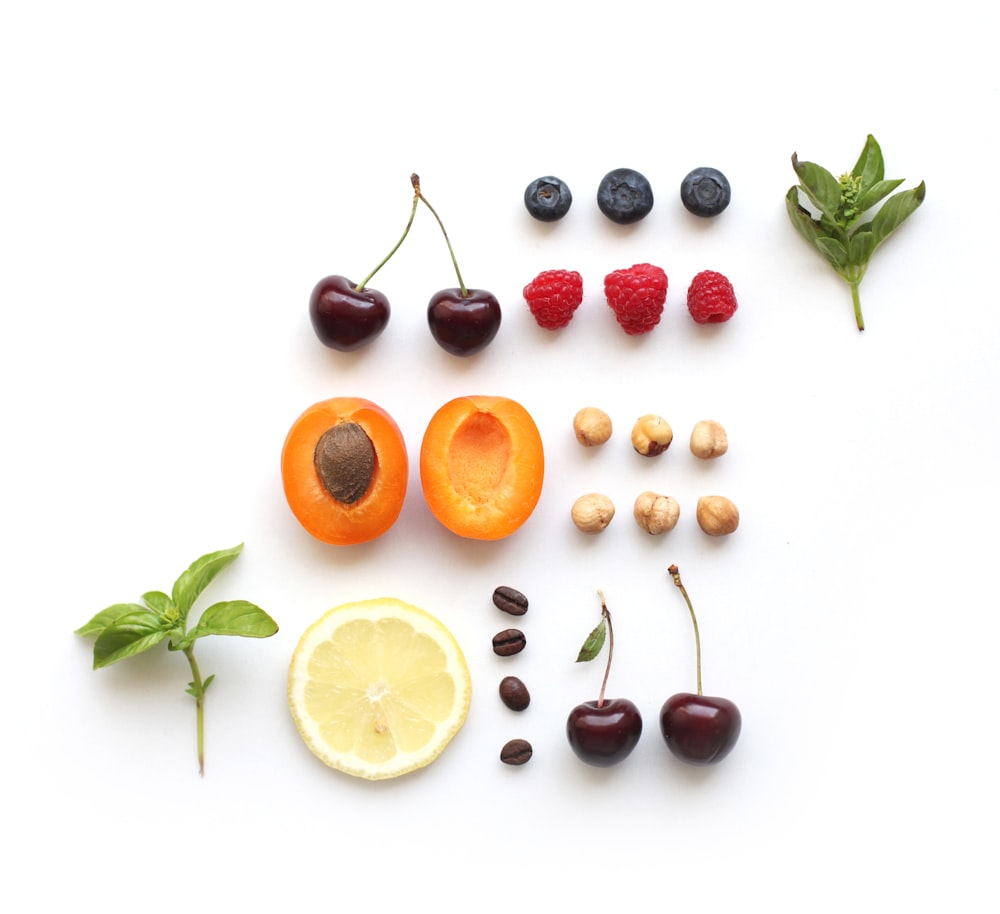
pixel 676 575
pixel 364 282
pixel 606 615
pixel 415 181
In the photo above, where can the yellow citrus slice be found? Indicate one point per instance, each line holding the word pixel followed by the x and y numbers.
pixel 378 688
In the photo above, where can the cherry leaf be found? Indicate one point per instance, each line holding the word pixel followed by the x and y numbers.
pixel 595 641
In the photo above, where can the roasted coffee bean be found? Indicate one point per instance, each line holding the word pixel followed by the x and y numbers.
pixel 516 752
pixel 510 601
pixel 509 641
pixel 514 693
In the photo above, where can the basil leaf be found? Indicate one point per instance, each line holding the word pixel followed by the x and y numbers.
pixel 862 246
pixel 197 692
pixel 105 617
pixel 199 575
pixel 870 167
pixel 876 192
pixel 234 617
pixel 128 635
pixel 595 641
pixel 895 210
pixel 831 227
pixel 158 601
pixel 833 251
pixel 820 186
pixel 807 227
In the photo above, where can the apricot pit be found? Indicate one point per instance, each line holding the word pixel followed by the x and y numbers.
pixel 345 461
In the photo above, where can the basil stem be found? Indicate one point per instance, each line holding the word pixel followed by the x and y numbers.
pixel 126 629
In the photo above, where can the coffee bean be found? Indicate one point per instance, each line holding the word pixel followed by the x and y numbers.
pixel 516 752
pixel 510 601
pixel 514 693
pixel 509 641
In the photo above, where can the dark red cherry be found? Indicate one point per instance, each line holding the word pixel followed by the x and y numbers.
pixel 700 729
pixel 463 324
pixel 345 317
pixel 604 734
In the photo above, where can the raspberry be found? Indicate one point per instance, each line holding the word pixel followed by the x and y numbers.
pixel 553 296
pixel 636 295
pixel 711 299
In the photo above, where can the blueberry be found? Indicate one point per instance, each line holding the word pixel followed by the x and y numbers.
pixel 625 196
pixel 547 199
pixel 705 192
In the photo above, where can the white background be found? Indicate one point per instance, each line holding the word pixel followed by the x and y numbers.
pixel 175 179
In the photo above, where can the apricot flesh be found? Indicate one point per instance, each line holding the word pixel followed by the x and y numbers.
pixel 344 470
pixel 482 466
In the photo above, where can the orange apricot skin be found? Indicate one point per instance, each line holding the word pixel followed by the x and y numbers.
pixel 482 466
pixel 327 519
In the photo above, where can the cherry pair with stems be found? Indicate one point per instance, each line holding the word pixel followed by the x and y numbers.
pixel 348 316
pixel 698 729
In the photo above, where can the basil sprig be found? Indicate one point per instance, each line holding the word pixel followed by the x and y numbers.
pixel 842 234
pixel 126 629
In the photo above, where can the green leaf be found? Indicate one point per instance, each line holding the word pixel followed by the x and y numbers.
pixel 105 617
pixel 808 227
pixel 862 247
pixel 833 251
pixel 158 601
pixel 197 692
pixel 821 187
pixel 875 193
pixel 832 228
pixel 870 166
pixel 895 210
pixel 234 617
pixel 128 635
pixel 595 641
pixel 199 575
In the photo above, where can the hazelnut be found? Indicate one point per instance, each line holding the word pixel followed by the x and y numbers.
pixel 708 440
pixel 656 514
pixel 651 435
pixel 592 426
pixel 717 516
pixel 592 513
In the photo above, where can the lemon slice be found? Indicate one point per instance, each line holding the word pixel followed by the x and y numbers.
pixel 378 688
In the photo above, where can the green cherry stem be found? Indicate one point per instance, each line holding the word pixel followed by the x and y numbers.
pixel 606 615
pixel 676 575
pixel 415 181
pixel 364 282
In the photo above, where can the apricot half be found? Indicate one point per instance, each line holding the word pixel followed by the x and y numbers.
pixel 344 469
pixel 481 466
